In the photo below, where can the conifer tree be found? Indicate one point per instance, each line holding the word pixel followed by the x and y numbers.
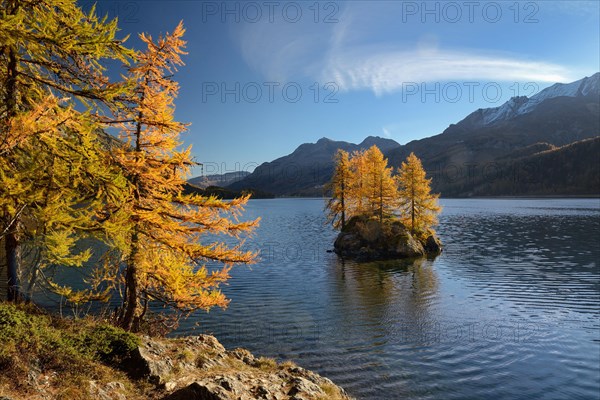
pixel 358 188
pixel 382 192
pixel 167 247
pixel 339 205
pixel 418 205
pixel 50 59
pixel 361 185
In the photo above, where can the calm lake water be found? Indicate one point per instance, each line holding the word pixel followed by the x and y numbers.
pixel 510 310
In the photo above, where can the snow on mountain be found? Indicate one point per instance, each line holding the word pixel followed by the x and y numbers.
pixel 582 87
pixel 507 110
pixel 523 105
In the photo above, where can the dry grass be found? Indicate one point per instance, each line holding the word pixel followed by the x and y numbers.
pixel 288 364
pixel 331 392
pixel 266 364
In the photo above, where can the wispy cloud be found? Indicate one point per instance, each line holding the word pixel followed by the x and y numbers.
pixel 385 71
pixel 386 132
pixel 357 54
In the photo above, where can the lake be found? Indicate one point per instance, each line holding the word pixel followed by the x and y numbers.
pixel 510 310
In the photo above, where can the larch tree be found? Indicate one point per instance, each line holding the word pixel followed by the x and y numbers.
pixel 381 188
pixel 358 192
pixel 418 205
pixel 50 69
pixel 338 206
pixel 167 247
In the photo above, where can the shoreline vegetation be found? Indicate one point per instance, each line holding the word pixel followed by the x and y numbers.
pixel 271 196
pixel 45 357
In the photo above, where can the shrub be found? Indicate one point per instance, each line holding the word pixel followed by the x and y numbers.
pixel 109 344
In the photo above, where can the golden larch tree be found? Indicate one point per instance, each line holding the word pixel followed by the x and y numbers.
pixel 358 192
pixel 50 71
pixel 381 188
pixel 338 206
pixel 419 207
pixel 167 244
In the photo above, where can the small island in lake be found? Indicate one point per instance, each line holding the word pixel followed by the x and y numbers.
pixel 382 216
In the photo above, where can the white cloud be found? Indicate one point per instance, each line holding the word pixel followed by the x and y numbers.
pixel 357 55
pixel 280 51
pixel 385 71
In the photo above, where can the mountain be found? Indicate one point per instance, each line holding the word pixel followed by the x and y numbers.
pixel 224 193
pixel 218 179
pixel 538 170
pixel 475 156
pixel 521 105
pixel 306 170
pixel 488 139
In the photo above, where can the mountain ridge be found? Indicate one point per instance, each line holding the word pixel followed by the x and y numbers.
pixel 225 179
pixel 521 105
pixel 562 114
pixel 306 169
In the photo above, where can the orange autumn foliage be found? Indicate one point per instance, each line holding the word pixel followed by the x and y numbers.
pixel 166 247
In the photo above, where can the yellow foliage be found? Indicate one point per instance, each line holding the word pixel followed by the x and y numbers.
pixel 167 245
pixel 339 204
pixel 380 191
pixel 53 168
pixel 363 184
pixel 418 205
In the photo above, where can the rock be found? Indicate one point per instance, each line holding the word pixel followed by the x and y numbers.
pixel 304 389
pixel 243 355
pixel 367 239
pixel 433 245
pixel 208 341
pixel 346 241
pixel 149 361
pixel 155 360
pixel 110 391
pixel 201 368
pixel 409 247
pixel 196 391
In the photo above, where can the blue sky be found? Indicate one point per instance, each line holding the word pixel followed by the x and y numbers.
pixel 263 77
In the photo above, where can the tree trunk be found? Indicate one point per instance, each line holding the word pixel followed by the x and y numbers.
pixel 131 318
pixel 381 198
pixel 412 225
pixel 12 266
pixel 132 306
pixel 343 204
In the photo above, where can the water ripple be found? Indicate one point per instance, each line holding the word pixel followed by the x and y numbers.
pixel 509 310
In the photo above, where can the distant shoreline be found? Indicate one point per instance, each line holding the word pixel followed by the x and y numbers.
pixel 525 197
pixel 532 197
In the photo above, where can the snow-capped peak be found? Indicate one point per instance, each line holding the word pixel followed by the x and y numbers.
pixel 582 87
pixel 523 105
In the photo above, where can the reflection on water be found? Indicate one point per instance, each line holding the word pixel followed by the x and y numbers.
pixel 399 292
pixel 509 310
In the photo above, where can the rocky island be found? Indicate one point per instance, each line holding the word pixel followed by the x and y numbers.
pixel 382 216
pixel 368 239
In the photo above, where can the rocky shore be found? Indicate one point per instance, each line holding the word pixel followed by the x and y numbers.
pixel 200 368
pixel 48 357
pixel 368 239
